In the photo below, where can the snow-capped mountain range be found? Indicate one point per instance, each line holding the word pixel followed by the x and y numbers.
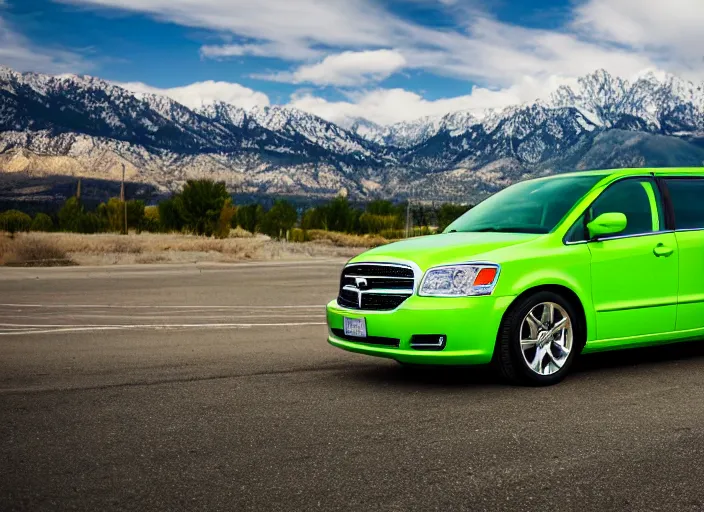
pixel 84 126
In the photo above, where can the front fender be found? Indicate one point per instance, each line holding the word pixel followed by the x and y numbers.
pixel 568 266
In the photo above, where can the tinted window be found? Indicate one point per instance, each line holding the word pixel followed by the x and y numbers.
pixel 534 206
pixel 688 202
pixel 638 200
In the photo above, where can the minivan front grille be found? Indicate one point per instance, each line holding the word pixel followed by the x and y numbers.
pixel 375 286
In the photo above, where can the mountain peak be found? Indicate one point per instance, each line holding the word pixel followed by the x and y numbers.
pixel 598 120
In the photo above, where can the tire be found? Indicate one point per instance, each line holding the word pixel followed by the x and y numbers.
pixel 547 362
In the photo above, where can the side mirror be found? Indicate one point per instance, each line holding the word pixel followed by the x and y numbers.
pixel 607 224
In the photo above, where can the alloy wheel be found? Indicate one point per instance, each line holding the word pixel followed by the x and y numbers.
pixel 546 337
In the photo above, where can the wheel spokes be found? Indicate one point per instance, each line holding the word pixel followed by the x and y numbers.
pixel 533 324
pixel 528 343
pixel 548 314
pixel 559 325
pixel 545 342
pixel 537 363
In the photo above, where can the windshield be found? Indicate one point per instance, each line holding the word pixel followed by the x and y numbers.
pixel 534 206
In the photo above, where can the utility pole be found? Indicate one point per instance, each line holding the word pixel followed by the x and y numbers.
pixel 123 199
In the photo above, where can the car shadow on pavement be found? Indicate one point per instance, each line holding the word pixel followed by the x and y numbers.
pixel 486 376
pixel 629 358
pixel 426 376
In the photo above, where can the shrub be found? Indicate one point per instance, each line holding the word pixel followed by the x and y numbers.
pixel 227 213
pixel 376 223
pixel 200 204
pixel 14 221
pixel 32 252
pixel 346 240
pixel 393 234
pixel 151 221
pixel 42 222
pixel 299 235
pixel 397 234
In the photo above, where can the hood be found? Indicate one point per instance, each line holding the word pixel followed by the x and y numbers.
pixel 432 250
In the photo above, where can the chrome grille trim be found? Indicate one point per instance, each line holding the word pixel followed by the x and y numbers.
pixel 372 286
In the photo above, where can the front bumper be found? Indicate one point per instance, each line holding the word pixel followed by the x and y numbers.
pixel 470 324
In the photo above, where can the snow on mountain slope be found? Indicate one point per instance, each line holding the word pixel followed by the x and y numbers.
pixel 80 125
pixel 664 103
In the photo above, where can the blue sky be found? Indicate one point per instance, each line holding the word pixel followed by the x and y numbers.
pixel 389 60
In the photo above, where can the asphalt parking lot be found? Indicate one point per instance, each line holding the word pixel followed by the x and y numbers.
pixel 213 388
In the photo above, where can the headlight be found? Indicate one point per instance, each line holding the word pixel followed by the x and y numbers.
pixel 463 280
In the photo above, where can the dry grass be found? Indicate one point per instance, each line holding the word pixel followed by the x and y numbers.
pixel 110 249
pixel 29 251
pixel 345 240
pixel 238 232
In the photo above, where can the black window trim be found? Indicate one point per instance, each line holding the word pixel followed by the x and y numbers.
pixel 670 205
pixel 665 203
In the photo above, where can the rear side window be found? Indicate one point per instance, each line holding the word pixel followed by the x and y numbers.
pixel 638 199
pixel 687 196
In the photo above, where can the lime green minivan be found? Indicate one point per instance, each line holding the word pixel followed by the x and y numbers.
pixel 536 274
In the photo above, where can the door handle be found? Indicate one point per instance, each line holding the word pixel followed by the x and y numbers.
pixel 663 250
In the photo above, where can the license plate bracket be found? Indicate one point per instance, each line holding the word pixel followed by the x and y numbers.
pixel 355 327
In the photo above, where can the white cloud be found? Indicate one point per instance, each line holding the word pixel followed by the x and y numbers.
pixel 346 69
pixel 290 51
pixel 20 54
pixel 310 22
pixel 501 54
pixel 388 106
pixel 670 32
pixel 621 36
pixel 205 93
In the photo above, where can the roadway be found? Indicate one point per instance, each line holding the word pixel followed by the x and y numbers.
pixel 211 387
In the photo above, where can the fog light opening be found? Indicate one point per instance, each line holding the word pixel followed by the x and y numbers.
pixel 428 341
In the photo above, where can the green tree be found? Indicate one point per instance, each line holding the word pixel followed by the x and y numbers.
pixel 200 205
pixel 448 212
pixel 279 220
pixel 371 223
pixel 250 216
pixel 170 214
pixel 14 221
pixel 73 217
pixel 135 214
pixel 151 221
pixel 382 207
pixel 339 214
pixel 314 218
pixel 42 222
pixel 70 215
pixel 89 223
pixel 113 213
